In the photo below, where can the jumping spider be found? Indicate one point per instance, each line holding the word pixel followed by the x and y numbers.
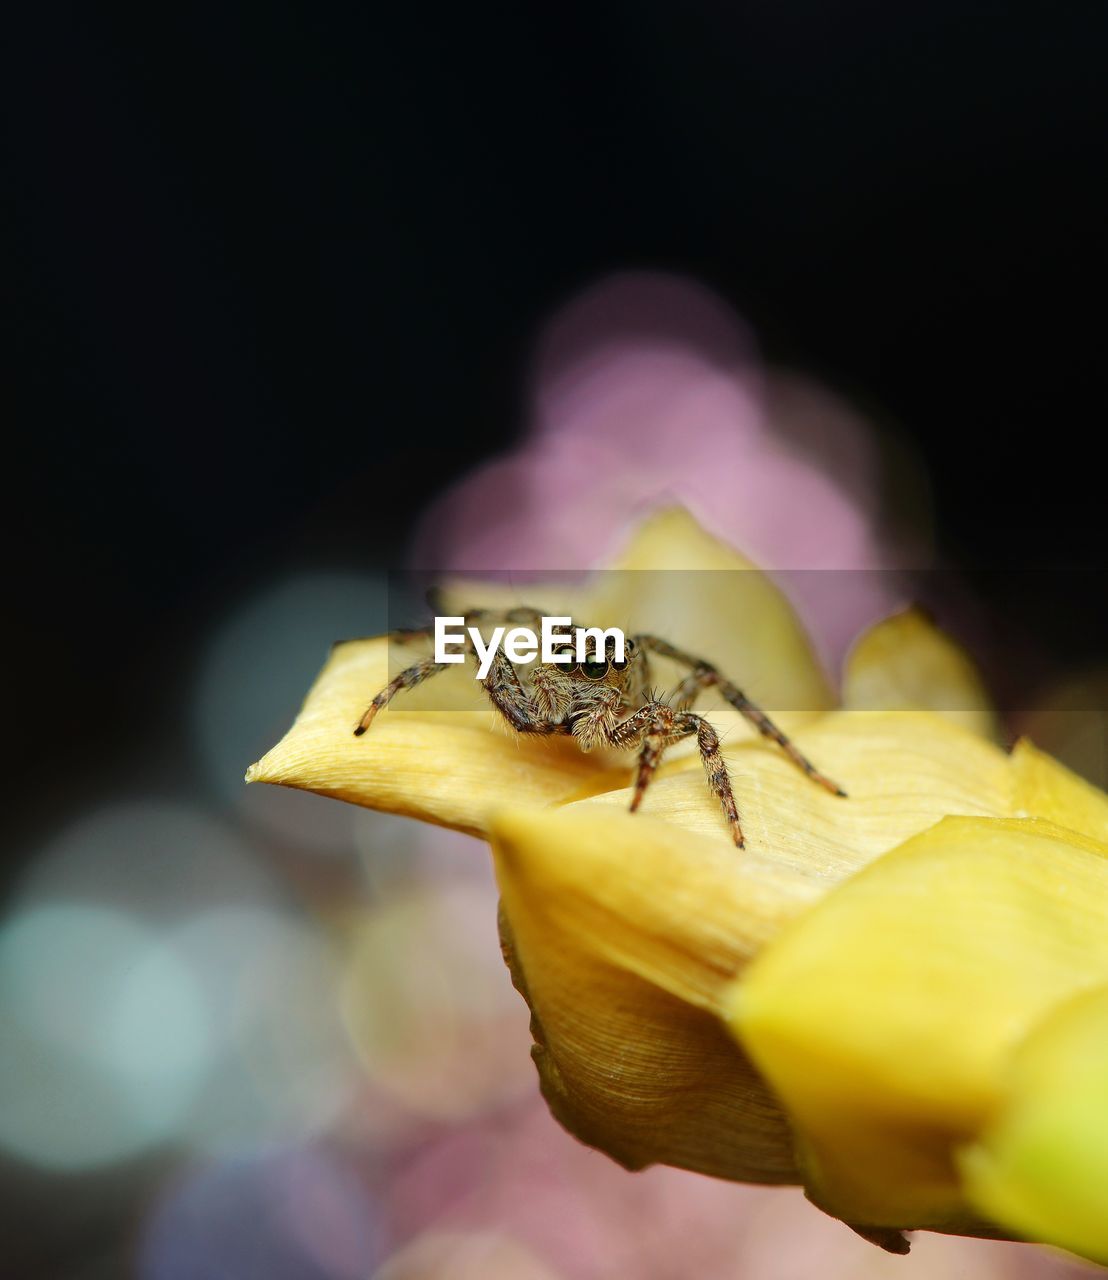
pixel 609 703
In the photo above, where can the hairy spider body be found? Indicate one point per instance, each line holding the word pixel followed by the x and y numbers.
pixel 610 704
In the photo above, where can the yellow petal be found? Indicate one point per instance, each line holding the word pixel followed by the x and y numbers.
pixel 677 581
pixel 621 932
pixel 1041 1166
pixel 1044 788
pixel 626 931
pixel 884 1017
pixel 445 766
pixel 440 752
pixel 906 663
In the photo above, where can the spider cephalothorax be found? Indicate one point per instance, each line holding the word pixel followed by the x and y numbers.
pixel 609 703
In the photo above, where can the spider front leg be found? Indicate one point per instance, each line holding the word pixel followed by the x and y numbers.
pixel 410 676
pixel 515 704
pixel 657 725
pixel 704 676
pixel 502 685
pixel 407 679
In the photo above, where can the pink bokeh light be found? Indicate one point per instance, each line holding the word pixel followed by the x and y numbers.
pixel 647 391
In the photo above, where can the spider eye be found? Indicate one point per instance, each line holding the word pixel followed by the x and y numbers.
pixel 594 670
pixel 568 667
pixel 628 654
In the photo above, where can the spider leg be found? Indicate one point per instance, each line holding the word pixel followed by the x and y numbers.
pixel 684 695
pixel 704 676
pixel 407 679
pixel 657 725
pixel 719 780
pixel 503 686
pixel 511 699
pixel 542 710
pixel 768 729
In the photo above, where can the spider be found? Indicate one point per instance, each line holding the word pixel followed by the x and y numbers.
pixel 609 703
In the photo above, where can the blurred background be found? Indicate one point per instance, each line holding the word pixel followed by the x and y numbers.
pixel 299 295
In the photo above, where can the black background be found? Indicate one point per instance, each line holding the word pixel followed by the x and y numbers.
pixel 273 275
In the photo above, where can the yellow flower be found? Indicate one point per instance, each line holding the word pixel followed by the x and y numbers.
pixel 870 999
pixel 1041 1164
pixel 440 753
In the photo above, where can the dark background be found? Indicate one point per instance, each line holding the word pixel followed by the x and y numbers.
pixel 273 275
